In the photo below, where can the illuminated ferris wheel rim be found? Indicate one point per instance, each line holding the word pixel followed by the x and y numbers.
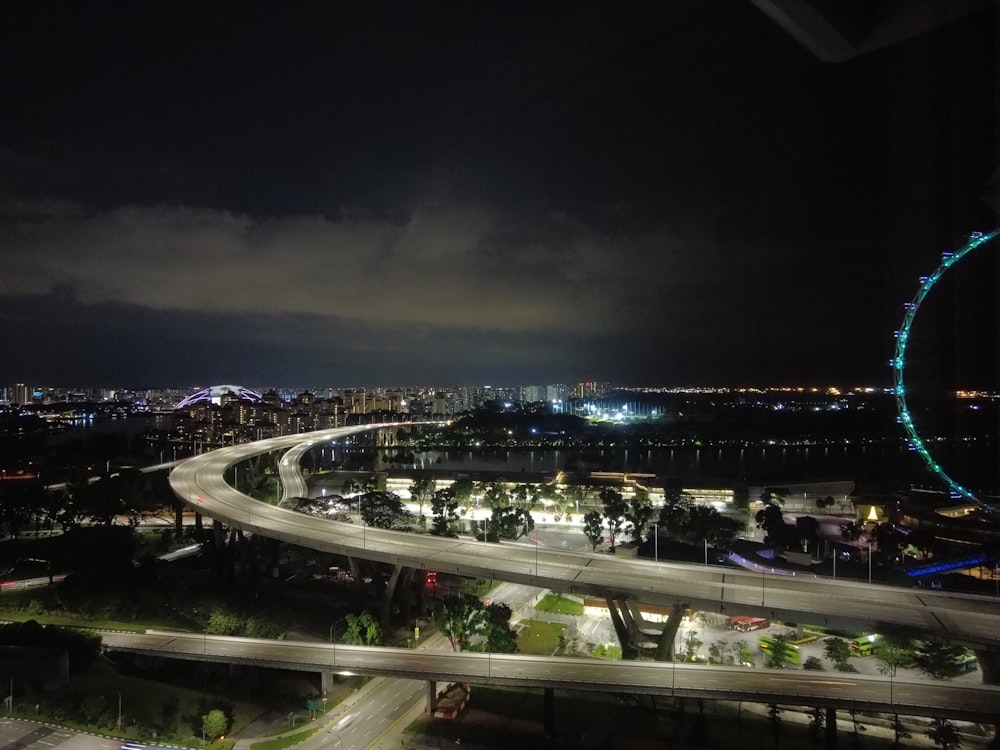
pixel 898 362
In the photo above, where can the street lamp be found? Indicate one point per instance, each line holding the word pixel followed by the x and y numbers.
pixel 119 711
pixel 332 625
pixel 656 542
pixel 869 561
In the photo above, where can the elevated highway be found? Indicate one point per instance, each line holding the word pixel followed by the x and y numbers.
pixel 967 619
pixel 797 687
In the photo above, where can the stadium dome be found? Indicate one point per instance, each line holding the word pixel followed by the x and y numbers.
pixel 215 394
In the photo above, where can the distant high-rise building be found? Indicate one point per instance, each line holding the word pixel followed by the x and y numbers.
pixel 21 394
pixel 590 389
pixel 534 393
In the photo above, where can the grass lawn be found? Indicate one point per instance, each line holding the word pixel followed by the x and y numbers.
pixel 560 605
pixel 538 638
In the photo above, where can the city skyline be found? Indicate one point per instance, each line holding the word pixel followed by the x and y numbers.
pixel 509 194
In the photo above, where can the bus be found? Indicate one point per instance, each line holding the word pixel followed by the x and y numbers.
pixel 746 624
pixel 866 645
pixel 792 655
pixel 967 662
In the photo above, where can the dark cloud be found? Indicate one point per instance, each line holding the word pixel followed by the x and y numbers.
pixel 665 192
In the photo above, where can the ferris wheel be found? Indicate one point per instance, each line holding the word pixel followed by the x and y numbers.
pixel 898 362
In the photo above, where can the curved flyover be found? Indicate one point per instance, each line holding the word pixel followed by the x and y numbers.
pixel 967 619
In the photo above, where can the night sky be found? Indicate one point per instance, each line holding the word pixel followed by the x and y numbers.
pixel 662 193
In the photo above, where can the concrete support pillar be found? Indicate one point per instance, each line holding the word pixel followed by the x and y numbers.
pixel 390 590
pixel 989 664
pixel 627 618
pixel 431 697
pixel 325 678
pixel 549 710
pixel 629 650
pixel 665 646
pixel 831 728
pixel 352 562
pixel 219 535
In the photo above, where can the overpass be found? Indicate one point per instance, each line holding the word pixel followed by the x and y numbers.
pixel 967 619
pixel 798 687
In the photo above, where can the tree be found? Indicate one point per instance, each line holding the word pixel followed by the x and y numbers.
pixel 421 488
pixel 674 514
pixel 718 652
pixel 774 495
pixel 351 486
pixel 462 489
pixel 814 663
pixel 214 724
pixel 443 507
pixel 363 629
pixel 938 658
pixel 889 541
pixel 837 650
pixel 894 652
pixel 691 645
pixel 744 653
pixel 453 617
pixel 706 524
pixel 615 509
pixel 521 496
pixel 496 495
pixel 509 523
pixel 593 528
pixel 777 654
pixel 640 510
pixel 471 625
pixel 772 521
pixel 943 734
pixel 383 510
pixel 500 637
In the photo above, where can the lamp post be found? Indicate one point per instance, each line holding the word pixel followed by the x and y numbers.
pixel 706 550
pixel 119 711
pixel 869 561
pixel 656 542
pixel 364 529
pixel 332 625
